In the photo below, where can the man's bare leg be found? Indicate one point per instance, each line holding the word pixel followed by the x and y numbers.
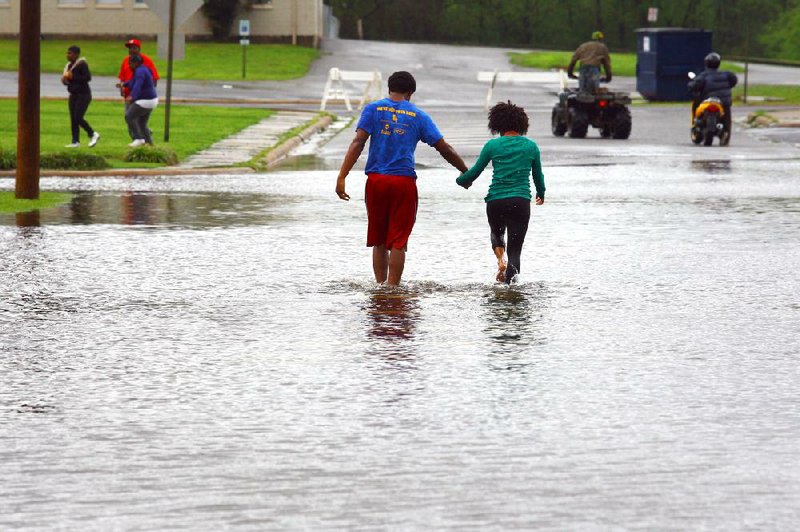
pixel 380 263
pixel 501 264
pixel 397 261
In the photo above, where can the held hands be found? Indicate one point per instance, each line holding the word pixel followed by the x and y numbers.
pixel 340 189
pixel 464 184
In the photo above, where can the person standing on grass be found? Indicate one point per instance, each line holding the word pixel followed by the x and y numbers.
pixel 76 77
pixel 394 126
pixel 134 47
pixel 515 158
pixel 140 102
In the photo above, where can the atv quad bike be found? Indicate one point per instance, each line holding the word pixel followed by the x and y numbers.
pixel 602 109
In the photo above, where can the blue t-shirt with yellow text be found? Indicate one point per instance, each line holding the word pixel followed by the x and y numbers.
pixel 395 128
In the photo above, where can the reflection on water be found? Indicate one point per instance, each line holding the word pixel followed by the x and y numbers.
pixel 198 210
pixel 28 219
pixel 392 315
pixel 512 312
pixel 722 166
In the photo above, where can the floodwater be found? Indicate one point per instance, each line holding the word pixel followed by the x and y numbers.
pixel 211 353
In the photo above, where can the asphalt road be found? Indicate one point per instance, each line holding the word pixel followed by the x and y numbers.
pixel 446 75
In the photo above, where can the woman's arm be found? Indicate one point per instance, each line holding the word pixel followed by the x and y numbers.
pixel 466 179
pixel 80 72
pixel 538 177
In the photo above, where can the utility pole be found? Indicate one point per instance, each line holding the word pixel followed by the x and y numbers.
pixel 28 147
pixel 170 52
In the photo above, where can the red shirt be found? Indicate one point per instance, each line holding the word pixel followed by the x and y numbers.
pixel 126 74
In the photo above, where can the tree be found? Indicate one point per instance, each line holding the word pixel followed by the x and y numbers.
pixel 221 14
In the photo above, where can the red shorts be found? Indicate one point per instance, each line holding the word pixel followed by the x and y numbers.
pixel 391 209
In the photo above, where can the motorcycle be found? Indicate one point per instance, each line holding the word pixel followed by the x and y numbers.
pixel 708 123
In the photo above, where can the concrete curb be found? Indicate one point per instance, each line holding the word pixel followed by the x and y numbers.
pixel 282 150
pixel 273 157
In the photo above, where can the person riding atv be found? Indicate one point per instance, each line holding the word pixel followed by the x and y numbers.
pixel 713 83
pixel 592 55
pixel 591 105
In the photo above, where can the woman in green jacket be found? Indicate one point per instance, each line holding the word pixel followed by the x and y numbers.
pixel 514 159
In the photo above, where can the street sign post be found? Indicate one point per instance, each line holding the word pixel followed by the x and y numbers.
pixel 652 14
pixel 244 33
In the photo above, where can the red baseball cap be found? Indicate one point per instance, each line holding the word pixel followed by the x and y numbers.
pixel 134 42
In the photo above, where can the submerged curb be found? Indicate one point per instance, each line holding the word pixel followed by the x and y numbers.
pixel 282 150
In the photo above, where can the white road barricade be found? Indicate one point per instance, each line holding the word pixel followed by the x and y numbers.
pixel 335 86
pixel 494 77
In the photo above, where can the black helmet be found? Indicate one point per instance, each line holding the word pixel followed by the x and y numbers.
pixel 712 60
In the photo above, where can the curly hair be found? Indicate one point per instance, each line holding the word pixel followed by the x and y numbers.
pixel 402 82
pixel 505 117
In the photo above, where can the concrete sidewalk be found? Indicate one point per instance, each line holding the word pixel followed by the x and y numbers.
pixel 252 141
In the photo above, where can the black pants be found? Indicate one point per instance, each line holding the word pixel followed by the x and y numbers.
pixel 513 215
pixel 78 105
pixel 137 116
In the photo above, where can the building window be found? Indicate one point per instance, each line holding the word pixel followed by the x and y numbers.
pixel 109 3
pixel 262 3
pixel 72 3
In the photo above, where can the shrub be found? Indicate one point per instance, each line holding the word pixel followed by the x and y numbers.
pixel 73 160
pixel 152 154
pixel 8 160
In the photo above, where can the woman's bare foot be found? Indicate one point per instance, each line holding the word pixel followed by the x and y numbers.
pixel 501 271
pixel 500 252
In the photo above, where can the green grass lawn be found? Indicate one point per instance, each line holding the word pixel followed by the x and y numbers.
pixel 8 203
pixel 203 61
pixel 622 64
pixel 789 94
pixel 192 128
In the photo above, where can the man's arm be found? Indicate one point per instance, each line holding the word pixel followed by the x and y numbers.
pixel 350 158
pixel 450 155
pixel 607 68
pixel 572 63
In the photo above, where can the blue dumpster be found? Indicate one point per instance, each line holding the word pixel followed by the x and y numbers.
pixel 664 57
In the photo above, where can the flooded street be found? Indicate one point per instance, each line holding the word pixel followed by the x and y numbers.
pixel 211 352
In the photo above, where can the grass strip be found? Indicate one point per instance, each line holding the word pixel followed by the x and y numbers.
pixel 192 128
pixel 202 61
pixel 47 200
pixel 622 64
pixel 774 94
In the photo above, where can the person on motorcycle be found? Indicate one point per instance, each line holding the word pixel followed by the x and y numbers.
pixel 713 83
pixel 592 55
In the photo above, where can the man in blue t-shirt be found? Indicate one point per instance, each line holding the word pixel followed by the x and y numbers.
pixel 394 126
